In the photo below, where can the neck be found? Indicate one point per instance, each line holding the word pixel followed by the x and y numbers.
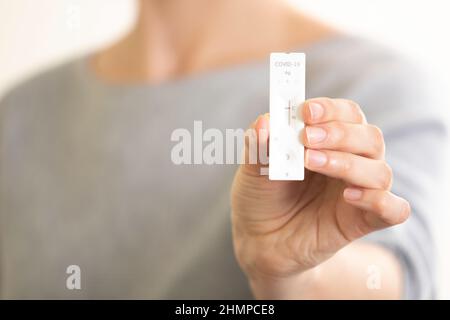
pixel 173 38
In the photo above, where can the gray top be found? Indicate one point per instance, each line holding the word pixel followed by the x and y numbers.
pixel 86 176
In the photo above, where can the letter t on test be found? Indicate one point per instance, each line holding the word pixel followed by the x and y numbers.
pixel 287 94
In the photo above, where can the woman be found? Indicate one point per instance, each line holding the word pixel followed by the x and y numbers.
pixel 87 179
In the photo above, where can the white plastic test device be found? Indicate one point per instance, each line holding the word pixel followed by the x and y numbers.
pixel 287 94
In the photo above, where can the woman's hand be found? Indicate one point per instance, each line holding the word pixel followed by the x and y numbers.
pixel 282 229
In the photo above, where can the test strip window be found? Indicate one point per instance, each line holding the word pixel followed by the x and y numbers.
pixel 287 94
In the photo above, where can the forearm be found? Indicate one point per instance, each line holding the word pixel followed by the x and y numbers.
pixel 359 271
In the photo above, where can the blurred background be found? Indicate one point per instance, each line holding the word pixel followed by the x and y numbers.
pixel 37 34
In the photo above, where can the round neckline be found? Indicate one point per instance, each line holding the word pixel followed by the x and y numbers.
pixel 89 74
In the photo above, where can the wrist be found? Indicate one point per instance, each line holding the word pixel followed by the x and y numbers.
pixel 296 286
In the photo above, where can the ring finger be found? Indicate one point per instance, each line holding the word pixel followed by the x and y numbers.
pixel 353 169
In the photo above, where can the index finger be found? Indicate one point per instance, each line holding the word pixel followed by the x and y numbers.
pixel 320 110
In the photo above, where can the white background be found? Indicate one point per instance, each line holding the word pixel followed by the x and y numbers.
pixel 37 34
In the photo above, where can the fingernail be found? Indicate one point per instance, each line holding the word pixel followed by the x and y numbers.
pixel 315 134
pixel 352 194
pixel 316 110
pixel 316 158
pixel 255 123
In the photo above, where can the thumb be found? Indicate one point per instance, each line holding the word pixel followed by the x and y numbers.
pixel 256 149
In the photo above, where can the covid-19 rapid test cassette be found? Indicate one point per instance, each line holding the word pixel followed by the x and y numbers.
pixel 287 94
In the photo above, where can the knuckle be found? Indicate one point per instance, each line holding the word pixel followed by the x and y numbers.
pixel 338 133
pixel 377 138
pixel 329 104
pixel 378 133
pixel 346 166
pixel 326 100
pixel 386 177
pixel 386 212
pixel 357 111
pixel 381 204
